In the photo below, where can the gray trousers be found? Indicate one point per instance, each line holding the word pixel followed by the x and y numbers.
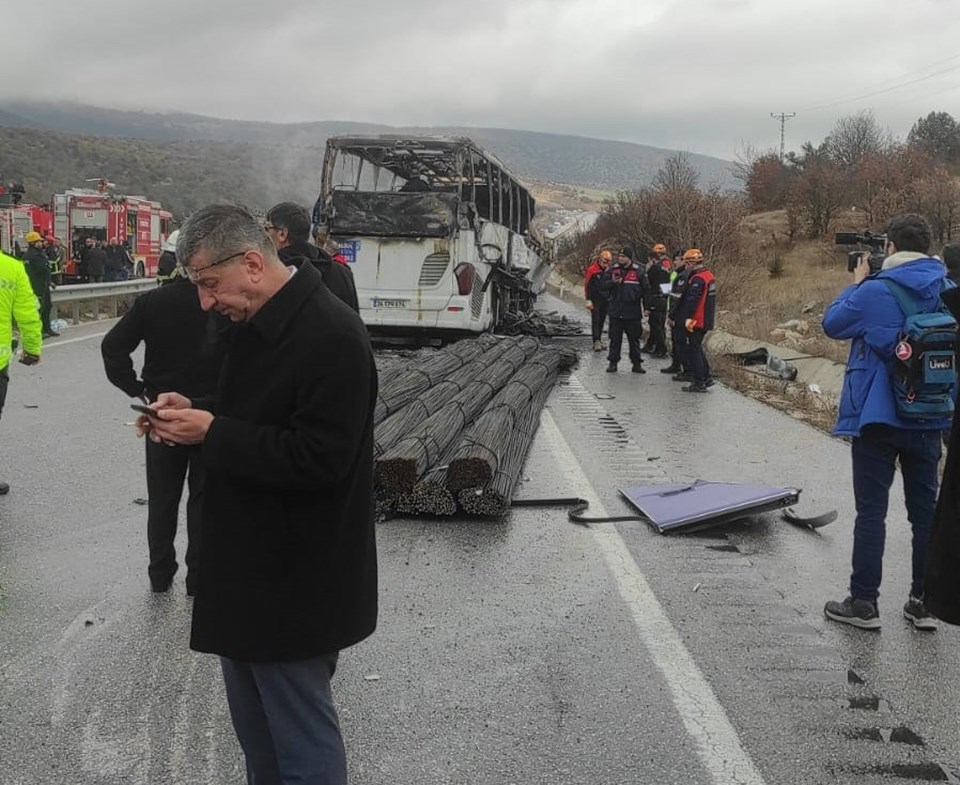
pixel 285 720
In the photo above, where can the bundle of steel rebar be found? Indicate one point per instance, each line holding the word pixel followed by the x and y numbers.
pixel 402 387
pixel 484 444
pixel 494 499
pixel 429 402
pixel 399 468
pixel 540 324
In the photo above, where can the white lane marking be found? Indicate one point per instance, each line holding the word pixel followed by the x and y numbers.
pixel 74 340
pixel 717 742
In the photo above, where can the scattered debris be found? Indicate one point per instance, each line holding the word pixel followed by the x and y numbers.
pixel 540 324
pixel 140 501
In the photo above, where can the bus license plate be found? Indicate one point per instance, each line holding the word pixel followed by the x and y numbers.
pixel 387 302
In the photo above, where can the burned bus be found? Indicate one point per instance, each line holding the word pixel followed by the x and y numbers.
pixel 438 233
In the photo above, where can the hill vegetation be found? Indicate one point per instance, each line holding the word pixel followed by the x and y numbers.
pixel 187 160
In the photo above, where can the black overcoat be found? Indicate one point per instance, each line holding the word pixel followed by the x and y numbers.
pixel 287 559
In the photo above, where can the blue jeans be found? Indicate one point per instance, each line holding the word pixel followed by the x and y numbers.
pixel 875 455
pixel 285 720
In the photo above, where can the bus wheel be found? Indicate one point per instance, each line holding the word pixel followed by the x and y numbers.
pixel 139 271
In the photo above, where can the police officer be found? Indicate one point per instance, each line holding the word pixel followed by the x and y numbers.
pixel 625 285
pixel 17 304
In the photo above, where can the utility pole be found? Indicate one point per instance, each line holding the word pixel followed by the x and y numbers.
pixel 782 117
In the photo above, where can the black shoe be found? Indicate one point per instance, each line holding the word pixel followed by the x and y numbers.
pixel 661 355
pixel 709 383
pixel 51 334
pixel 637 368
pixel 698 388
pixel 671 369
pixel 646 350
pixel 856 613
pixel 918 615
pixel 612 368
pixel 683 377
pixel 4 489
pixel 161 586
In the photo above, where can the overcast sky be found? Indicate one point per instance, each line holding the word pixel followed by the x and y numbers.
pixel 699 75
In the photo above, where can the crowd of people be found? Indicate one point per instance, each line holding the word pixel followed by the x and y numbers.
pixel 678 291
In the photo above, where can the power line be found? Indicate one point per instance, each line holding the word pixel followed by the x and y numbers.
pixel 782 117
pixel 881 92
pixel 884 83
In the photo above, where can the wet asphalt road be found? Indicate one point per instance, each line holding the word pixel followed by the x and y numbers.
pixel 530 651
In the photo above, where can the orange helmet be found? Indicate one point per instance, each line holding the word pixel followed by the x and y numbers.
pixel 693 255
pixel 606 256
pixel 659 248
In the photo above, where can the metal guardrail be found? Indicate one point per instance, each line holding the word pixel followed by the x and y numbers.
pixel 94 293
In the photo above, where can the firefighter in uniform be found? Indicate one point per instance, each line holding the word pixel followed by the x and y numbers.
pixel 38 270
pixel 596 299
pixel 17 304
pixel 658 276
pixel 695 313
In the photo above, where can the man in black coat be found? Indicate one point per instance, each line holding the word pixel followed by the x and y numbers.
pixel 182 351
pixel 288 572
pixel 94 260
pixel 288 225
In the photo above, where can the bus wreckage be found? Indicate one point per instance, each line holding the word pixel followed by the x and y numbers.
pixel 438 233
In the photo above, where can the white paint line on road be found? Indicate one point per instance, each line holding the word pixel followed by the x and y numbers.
pixel 717 742
pixel 74 340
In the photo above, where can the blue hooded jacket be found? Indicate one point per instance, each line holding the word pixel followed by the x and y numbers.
pixel 868 315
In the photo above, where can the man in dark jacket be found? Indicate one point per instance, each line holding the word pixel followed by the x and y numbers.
pixel 679 341
pixel 951 258
pixel 596 298
pixel 695 313
pixel 658 276
pixel 38 271
pixel 182 352
pixel 94 260
pixel 288 225
pixel 288 572
pixel 625 285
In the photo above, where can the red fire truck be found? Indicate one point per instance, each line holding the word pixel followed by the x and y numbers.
pixel 18 219
pixel 137 222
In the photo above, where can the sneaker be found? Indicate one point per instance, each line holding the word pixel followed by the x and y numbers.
pixel 710 383
pixel 4 489
pixel 51 334
pixel 637 368
pixel 682 377
pixel 597 346
pixel 612 368
pixel 603 346
pixel 856 613
pixel 671 369
pixel 697 388
pixel 918 615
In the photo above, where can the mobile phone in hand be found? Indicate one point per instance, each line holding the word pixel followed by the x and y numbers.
pixel 139 407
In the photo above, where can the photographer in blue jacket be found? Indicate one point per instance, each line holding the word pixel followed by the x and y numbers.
pixel 870 314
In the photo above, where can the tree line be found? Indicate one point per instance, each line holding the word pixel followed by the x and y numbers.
pixel 861 166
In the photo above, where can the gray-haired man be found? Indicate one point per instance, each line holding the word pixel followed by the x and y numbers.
pixel 288 573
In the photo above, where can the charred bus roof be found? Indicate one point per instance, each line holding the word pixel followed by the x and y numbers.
pixel 442 159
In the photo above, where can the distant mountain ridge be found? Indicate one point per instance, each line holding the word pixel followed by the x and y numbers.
pixel 281 158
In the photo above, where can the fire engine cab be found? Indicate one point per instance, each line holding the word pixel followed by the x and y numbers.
pixel 16 219
pixel 138 224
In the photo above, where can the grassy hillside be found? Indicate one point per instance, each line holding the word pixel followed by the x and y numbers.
pixel 277 160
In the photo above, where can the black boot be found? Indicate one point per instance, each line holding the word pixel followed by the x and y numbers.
pixel 671 369
pixel 612 368
pixel 637 368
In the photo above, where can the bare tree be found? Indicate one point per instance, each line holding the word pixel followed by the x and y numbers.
pixel 855 137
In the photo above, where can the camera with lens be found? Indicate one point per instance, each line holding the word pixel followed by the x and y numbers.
pixel 875 245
